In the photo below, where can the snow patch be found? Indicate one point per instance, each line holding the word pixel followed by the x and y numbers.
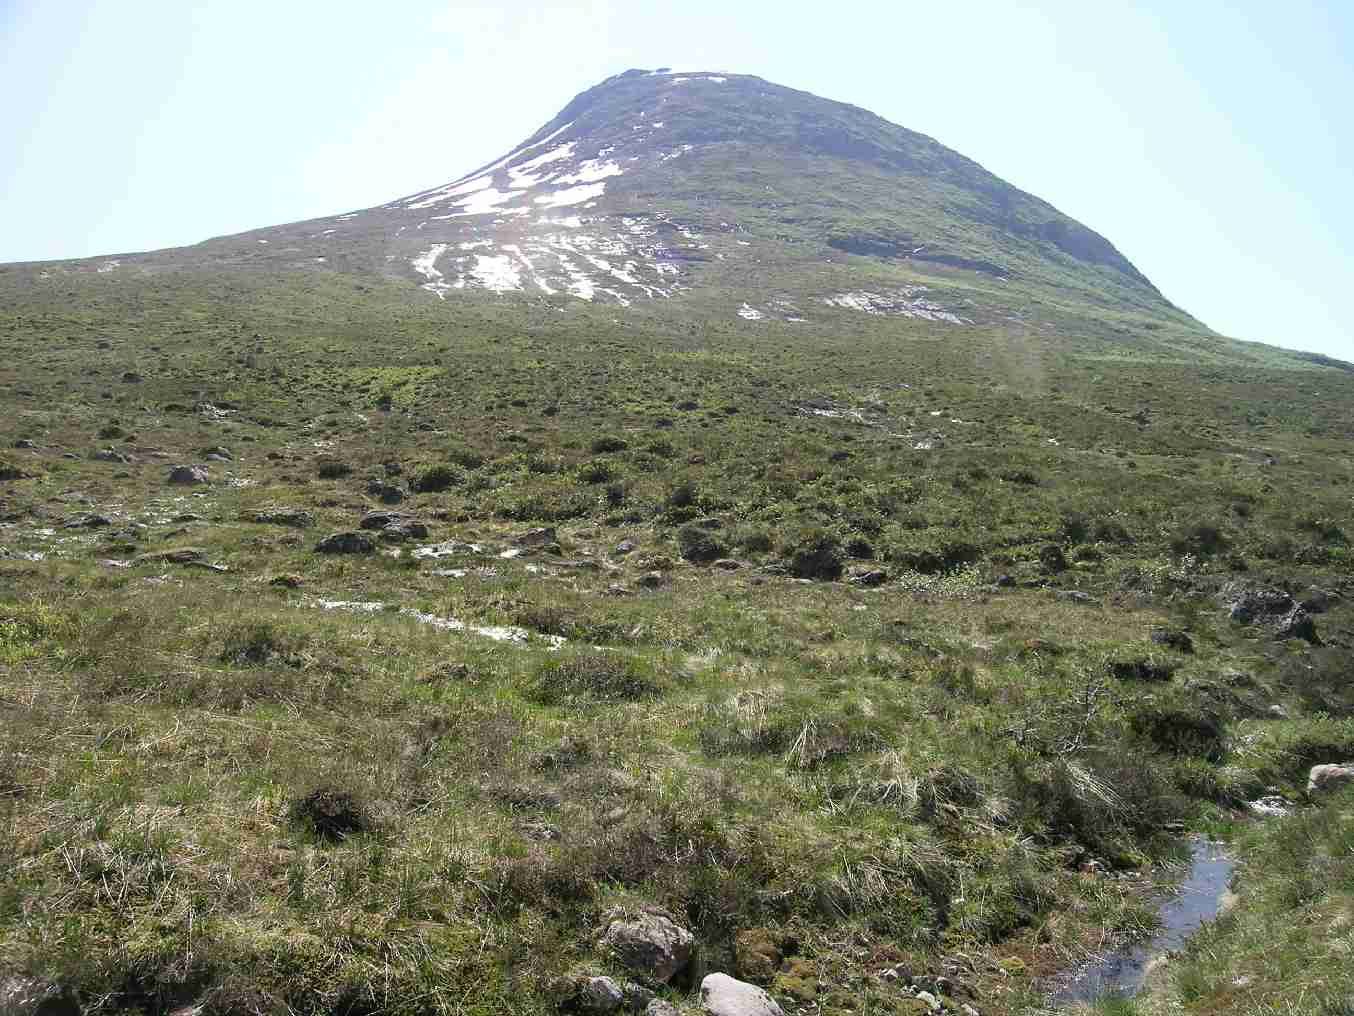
pixel 496 272
pixel 426 265
pixel 749 313
pixel 905 302
pixel 590 171
pixel 572 195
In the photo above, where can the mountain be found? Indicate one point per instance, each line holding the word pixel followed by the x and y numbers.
pixel 655 184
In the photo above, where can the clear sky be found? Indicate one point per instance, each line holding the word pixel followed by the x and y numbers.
pixel 1212 142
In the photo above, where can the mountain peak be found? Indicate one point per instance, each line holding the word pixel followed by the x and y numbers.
pixel 657 183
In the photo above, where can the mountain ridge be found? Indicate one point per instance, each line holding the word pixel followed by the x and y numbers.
pixel 652 184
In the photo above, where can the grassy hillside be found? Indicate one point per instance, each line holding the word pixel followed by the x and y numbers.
pixel 854 644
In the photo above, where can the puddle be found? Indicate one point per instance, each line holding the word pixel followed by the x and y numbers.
pixel 1198 900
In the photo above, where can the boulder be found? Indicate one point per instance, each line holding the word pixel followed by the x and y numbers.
pixel 600 995
pixel 387 493
pixel 651 944
pixel 296 518
pixel 1172 638
pixel 542 537
pixel 346 543
pixel 722 995
pixel 1330 776
pixel 1268 608
pixel 189 475
pixel 31 996
pixel 179 555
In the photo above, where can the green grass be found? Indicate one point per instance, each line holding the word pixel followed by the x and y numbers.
pixel 912 774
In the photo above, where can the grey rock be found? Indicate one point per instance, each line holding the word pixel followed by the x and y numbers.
pixel 111 455
pixel 722 995
pixel 600 995
pixel 23 442
pixel 931 1001
pixel 1006 581
pixel 31 996
pixel 625 547
pixel 637 997
pixel 346 543
pixel 189 475
pixel 89 522
pixel 1077 596
pixel 1268 608
pixel 728 564
pixel 380 520
pixel 1330 776
pixel 541 537
pixel 1172 638
pixel 296 518
pixel 870 579
pixel 387 493
pixel 651 580
pixel 1318 601
pixel 410 529
pixel 1277 712
pixel 651 944
pixel 658 1007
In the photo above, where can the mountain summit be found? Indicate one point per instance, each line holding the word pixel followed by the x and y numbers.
pixel 655 184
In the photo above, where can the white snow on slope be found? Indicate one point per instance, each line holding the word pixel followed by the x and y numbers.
pixel 750 313
pixel 426 265
pixel 429 197
pixel 496 272
pixel 572 195
pixel 905 302
pixel 590 171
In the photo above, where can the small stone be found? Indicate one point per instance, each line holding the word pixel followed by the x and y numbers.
pixel 1328 777
pixel 638 997
pixel 541 537
pixel 23 442
pixel 296 518
pixel 651 580
pixel 1277 712
pixel 1006 581
pixel 931 1001
pixel 659 1007
pixel 870 579
pixel 650 944
pixel 346 543
pixel 189 475
pixel 728 564
pixel 600 995
pixel 179 555
pixel 722 995
pixel 30 996
pixel 386 493
pixel 625 547
pixel 968 1010
pixel 1172 638
pixel 219 453
pixel 1077 596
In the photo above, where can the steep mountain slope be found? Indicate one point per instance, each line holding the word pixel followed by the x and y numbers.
pixel 655 184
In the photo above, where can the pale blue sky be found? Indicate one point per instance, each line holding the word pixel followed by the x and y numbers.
pixel 1212 142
